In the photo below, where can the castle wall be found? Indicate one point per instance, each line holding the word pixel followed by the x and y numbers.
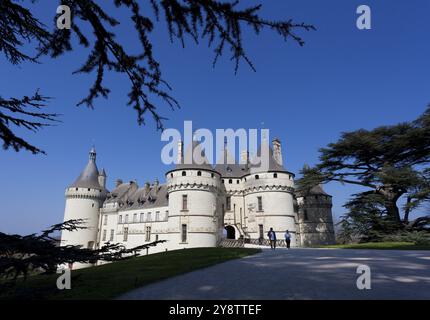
pixel 315 220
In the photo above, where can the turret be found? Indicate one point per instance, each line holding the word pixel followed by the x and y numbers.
pixel 84 197
pixel 315 217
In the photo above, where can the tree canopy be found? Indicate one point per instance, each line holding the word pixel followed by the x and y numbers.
pixel 390 161
pixel 219 23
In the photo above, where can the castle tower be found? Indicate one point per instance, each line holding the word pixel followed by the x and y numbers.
pixel 315 217
pixel 83 200
pixel 269 197
pixel 195 218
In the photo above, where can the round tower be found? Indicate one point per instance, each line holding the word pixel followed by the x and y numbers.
pixel 83 200
pixel 195 218
pixel 315 217
pixel 269 196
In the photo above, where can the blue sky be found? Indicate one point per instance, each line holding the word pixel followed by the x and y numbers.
pixel 342 79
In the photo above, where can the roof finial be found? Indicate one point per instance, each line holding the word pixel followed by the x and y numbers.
pixel 93 154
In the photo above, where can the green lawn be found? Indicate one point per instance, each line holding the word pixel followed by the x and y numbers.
pixel 382 246
pixel 110 280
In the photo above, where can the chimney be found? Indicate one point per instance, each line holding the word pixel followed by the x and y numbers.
pixel 156 185
pixel 102 179
pixel 147 188
pixel 244 157
pixel 118 182
pixel 277 152
pixel 180 152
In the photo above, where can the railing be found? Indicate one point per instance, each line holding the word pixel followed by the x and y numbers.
pixel 266 242
pixel 230 243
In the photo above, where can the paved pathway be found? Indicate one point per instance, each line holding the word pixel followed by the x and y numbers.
pixel 301 274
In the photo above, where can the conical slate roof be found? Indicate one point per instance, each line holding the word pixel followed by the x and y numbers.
pixel 190 163
pixel 229 169
pixel 273 165
pixel 89 176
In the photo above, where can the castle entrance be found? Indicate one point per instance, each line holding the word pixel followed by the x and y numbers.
pixel 231 232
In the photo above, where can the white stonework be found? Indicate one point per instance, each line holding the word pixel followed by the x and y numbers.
pixel 198 206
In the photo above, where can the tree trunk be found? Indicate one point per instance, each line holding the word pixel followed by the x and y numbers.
pixel 390 202
pixel 407 211
pixel 392 210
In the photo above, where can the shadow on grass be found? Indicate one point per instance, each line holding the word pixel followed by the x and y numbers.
pixel 110 280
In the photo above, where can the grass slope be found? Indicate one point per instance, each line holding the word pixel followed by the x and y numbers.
pixel 110 280
pixel 382 246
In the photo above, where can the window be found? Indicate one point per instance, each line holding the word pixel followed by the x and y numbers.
pixel 184 233
pixel 104 235
pixel 77 189
pixel 148 234
pixel 305 215
pixel 142 217
pixel 257 177
pixel 228 203
pixel 275 175
pixel 199 173
pixel 89 189
pixel 135 217
pixel 230 181
pixel 184 202
pixel 157 216
pixel 167 215
pixel 125 238
pixel 222 180
pixel 112 232
pixel 237 181
pixel 126 218
pixel 92 205
pixel 156 237
pixel 120 219
pixel 260 203
pixel 148 217
pixel 184 173
pixel 105 220
pixel 171 175
pixel 212 175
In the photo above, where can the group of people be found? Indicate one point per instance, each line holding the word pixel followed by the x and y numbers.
pixel 272 238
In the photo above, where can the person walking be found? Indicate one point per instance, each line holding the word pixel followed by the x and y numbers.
pixel 272 238
pixel 287 238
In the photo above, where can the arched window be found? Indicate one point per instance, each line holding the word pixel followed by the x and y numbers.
pixel 275 175
pixel 199 173
pixel 257 177
pixel 184 173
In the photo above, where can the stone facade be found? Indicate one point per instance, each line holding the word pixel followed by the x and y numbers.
pixel 198 206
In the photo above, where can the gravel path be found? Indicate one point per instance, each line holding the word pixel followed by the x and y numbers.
pixel 301 274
